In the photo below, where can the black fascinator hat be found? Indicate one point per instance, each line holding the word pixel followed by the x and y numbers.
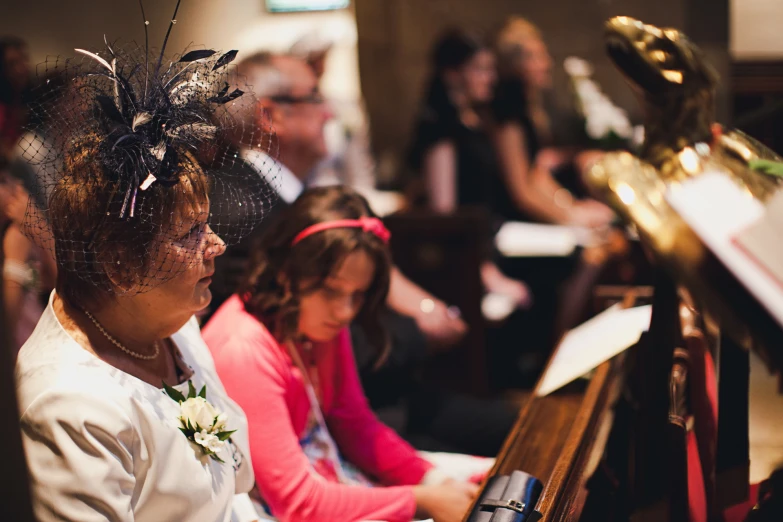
pixel 133 172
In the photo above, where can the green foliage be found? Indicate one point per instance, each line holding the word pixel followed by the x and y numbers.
pixel 771 168
pixel 174 393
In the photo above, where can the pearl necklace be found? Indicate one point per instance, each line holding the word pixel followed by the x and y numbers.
pixel 119 345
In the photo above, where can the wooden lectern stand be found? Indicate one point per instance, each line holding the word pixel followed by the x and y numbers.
pixel 660 433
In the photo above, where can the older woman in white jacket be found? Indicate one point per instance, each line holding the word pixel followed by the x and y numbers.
pixel 123 416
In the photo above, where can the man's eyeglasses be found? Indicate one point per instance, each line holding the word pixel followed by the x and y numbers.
pixel 315 98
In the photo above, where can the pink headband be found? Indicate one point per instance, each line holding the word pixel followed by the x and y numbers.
pixel 368 224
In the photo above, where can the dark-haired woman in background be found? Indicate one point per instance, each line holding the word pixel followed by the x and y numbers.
pixel 452 147
pixel 283 348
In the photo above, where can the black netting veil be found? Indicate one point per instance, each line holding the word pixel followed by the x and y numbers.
pixel 137 174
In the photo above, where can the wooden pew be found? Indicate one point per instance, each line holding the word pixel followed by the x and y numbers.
pixel 615 447
pixel 443 254
pixel 561 438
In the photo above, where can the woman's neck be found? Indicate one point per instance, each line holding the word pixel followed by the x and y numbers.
pixel 138 332
pixel 466 112
pixel 470 118
pixel 131 323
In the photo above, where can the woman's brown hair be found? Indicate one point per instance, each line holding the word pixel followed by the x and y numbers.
pixel 280 274
pixel 84 210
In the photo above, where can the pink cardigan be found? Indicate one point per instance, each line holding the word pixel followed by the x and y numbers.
pixel 258 373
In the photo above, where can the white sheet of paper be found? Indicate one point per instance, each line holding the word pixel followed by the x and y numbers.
pixel 519 239
pixel 763 240
pixel 593 342
pixel 497 307
pixel 717 210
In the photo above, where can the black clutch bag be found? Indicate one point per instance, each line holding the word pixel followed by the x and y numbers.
pixel 508 498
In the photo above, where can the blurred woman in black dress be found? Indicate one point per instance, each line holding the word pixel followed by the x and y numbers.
pixel 452 149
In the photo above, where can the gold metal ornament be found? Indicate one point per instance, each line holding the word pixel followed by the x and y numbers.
pixel 676 88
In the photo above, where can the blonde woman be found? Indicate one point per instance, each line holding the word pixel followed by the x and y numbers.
pixel 523 135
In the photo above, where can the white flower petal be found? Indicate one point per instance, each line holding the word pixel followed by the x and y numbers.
pixel 220 423
pixel 199 412
pixel 202 438
pixel 209 441
pixel 215 445
pixel 206 415
pixel 190 409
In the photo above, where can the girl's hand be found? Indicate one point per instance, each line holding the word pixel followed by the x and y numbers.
pixel 446 502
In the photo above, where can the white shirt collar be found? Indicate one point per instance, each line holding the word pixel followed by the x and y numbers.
pixel 279 177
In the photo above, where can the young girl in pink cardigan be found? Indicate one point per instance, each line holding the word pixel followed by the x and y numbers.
pixel 283 351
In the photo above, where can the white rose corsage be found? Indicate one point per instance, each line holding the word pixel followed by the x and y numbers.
pixel 201 423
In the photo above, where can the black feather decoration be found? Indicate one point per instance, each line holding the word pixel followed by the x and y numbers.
pixel 236 93
pixel 127 98
pixel 144 134
pixel 146 51
pixel 121 125
pixel 198 54
pixel 225 60
pixel 124 93
pixel 220 100
pixel 166 38
pixel 110 110
pixel 111 51
pixel 133 72
pixel 201 131
pixel 127 140
pixel 167 173
pixel 223 91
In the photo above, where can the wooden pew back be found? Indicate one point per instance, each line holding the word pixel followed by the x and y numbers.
pixel 443 254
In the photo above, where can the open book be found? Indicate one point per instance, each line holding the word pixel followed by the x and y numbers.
pixel 592 343
pixel 740 231
pixel 763 240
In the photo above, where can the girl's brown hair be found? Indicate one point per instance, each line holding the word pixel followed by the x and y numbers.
pixel 280 274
